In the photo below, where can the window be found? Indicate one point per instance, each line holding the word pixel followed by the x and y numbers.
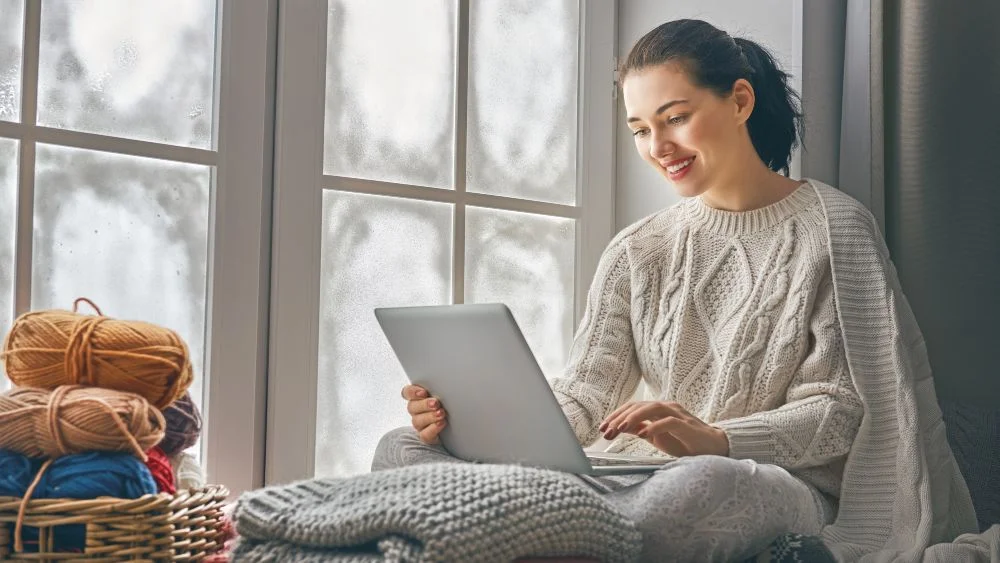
pixel 451 170
pixel 135 169
pixel 401 172
pixel 460 152
pixel 106 160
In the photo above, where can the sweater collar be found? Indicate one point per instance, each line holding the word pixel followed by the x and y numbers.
pixel 736 223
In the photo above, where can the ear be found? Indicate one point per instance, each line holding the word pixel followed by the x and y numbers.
pixel 744 98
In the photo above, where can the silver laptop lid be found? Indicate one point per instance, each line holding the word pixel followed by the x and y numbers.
pixel 476 360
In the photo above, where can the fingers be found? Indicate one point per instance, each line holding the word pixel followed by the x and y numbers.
pixel 413 392
pixel 430 434
pixel 615 416
pixel 418 406
pixel 616 424
pixel 663 440
pixel 627 418
pixel 667 425
pixel 423 420
pixel 652 411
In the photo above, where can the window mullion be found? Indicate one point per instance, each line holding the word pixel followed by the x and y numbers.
pixel 24 229
pixel 461 138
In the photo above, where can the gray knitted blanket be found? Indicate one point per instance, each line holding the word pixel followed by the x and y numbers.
pixel 435 512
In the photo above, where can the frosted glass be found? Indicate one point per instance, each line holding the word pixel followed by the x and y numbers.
pixel 527 262
pixel 522 120
pixel 390 91
pixel 11 32
pixel 141 69
pixel 377 252
pixel 129 233
pixel 8 212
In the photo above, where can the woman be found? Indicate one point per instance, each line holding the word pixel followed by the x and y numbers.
pixel 726 306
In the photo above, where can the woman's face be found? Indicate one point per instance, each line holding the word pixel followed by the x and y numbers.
pixel 688 134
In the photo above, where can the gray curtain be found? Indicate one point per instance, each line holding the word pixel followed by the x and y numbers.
pixel 901 99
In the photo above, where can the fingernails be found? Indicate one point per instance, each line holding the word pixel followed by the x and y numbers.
pixel 432 403
pixel 421 393
pixel 439 414
pixel 622 426
pixel 602 427
pixel 441 424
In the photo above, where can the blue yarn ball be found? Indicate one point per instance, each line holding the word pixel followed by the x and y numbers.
pixel 80 476
pixel 16 473
pixel 96 474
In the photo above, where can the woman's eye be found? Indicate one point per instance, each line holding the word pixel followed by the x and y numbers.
pixel 640 132
pixel 677 120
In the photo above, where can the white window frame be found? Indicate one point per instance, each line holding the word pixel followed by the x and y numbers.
pixel 299 185
pixel 239 229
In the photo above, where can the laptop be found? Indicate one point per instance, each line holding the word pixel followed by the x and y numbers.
pixel 501 409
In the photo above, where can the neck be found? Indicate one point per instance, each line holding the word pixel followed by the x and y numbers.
pixel 751 185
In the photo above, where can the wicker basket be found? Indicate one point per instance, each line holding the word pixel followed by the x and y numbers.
pixel 186 526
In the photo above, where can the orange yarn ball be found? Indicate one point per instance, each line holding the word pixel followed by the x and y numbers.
pixel 46 349
pixel 75 419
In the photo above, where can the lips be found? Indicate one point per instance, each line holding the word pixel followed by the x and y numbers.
pixel 678 168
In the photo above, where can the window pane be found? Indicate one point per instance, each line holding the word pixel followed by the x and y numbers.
pixel 377 252
pixel 11 31
pixel 8 212
pixel 142 69
pixel 522 99
pixel 390 91
pixel 525 261
pixel 129 233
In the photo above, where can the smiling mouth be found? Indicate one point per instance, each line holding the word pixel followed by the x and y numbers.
pixel 678 166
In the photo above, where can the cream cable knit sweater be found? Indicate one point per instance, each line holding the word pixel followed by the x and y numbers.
pixel 901 493
pixel 733 316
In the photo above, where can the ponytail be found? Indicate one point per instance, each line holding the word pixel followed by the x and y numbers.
pixel 775 125
pixel 716 61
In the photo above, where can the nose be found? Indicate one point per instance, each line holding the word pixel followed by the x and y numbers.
pixel 661 146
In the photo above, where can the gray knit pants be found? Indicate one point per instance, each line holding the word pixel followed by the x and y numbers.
pixel 701 508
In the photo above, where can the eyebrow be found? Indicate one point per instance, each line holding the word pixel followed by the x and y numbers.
pixel 660 109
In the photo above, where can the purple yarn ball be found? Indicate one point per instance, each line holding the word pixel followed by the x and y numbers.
pixel 183 426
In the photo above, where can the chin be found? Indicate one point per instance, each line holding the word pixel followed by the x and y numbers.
pixel 686 187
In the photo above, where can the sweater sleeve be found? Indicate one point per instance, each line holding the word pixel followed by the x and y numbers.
pixel 602 372
pixel 820 417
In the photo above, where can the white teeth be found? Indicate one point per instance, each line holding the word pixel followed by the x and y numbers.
pixel 678 167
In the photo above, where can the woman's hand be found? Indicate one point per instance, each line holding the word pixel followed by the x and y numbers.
pixel 426 413
pixel 668 426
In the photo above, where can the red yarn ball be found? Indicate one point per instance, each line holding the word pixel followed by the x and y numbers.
pixel 163 473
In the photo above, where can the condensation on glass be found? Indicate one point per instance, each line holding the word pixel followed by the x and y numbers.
pixel 390 91
pixel 523 76
pixel 11 32
pixel 525 261
pixel 8 213
pixel 129 233
pixel 376 252
pixel 141 69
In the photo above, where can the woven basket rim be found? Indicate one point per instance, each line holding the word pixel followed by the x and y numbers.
pixel 147 501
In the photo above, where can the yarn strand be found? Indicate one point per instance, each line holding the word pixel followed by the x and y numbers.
pixel 78 300
pixel 19 525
